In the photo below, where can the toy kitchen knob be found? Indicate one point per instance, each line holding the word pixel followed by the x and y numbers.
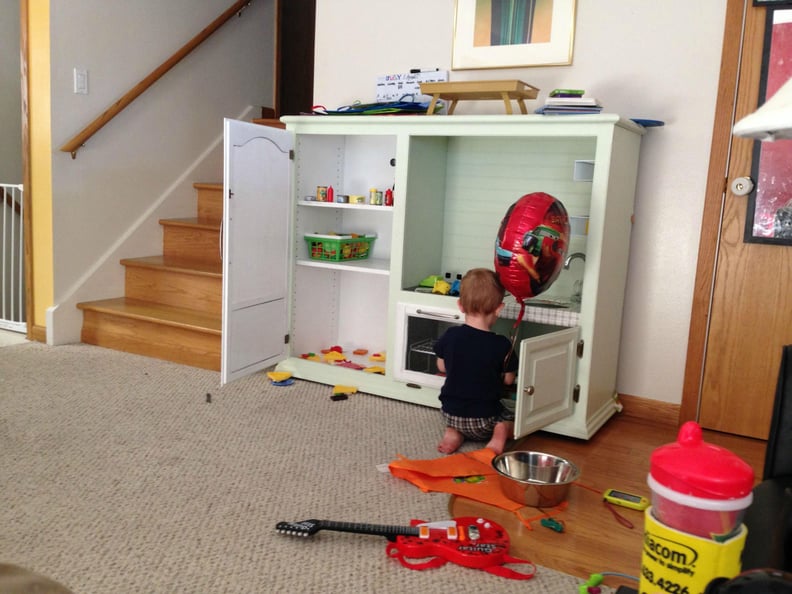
pixel 742 186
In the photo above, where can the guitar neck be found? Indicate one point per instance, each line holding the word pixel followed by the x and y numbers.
pixel 389 532
pixel 311 527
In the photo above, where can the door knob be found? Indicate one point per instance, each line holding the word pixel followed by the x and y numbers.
pixel 742 186
pixel 529 390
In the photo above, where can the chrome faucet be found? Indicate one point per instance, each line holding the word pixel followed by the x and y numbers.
pixel 571 257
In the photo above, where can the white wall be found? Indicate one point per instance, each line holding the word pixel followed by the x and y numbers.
pixel 141 166
pixel 10 97
pixel 657 60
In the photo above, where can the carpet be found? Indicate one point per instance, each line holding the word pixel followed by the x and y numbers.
pixel 126 474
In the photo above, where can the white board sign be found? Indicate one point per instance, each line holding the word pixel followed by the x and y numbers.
pixel 392 87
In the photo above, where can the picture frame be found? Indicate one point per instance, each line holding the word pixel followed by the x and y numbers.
pixel 513 33
pixel 768 217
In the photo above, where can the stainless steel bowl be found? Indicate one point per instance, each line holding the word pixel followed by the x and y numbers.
pixel 535 478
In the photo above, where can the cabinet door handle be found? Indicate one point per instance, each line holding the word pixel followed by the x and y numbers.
pixel 529 390
pixel 437 314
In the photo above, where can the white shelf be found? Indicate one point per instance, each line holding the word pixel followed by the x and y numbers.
pixel 343 206
pixel 369 265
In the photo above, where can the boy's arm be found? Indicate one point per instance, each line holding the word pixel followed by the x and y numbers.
pixel 441 365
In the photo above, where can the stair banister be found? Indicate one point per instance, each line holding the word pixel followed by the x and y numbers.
pixel 73 145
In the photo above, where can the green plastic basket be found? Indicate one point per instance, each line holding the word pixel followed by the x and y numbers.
pixel 339 248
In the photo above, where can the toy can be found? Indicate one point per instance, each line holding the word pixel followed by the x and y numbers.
pixel 699 488
pixel 674 561
pixel 693 531
pixel 357 199
pixel 375 196
pixel 342 198
pixel 321 193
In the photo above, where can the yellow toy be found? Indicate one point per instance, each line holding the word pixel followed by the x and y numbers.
pixel 278 376
pixel 334 356
pixel 441 287
pixel 344 389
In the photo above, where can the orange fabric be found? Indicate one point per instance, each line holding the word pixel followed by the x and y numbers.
pixel 438 475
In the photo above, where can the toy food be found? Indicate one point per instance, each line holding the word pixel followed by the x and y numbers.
pixel 278 376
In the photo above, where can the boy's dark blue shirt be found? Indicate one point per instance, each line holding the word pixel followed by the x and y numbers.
pixel 474 362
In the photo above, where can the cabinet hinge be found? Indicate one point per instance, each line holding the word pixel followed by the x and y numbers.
pixel 286 339
pixel 291 154
pixel 580 349
pixel 576 393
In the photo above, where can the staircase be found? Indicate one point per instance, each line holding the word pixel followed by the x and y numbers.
pixel 172 304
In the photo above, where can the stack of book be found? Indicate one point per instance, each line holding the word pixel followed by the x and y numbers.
pixel 568 102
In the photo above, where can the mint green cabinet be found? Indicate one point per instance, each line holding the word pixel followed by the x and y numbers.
pixel 453 178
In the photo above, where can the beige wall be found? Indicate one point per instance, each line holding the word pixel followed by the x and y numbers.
pixel 656 60
pixel 10 98
pixel 106 203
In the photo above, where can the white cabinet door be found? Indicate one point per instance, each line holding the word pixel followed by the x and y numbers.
pixel 256 237
pixel 546 380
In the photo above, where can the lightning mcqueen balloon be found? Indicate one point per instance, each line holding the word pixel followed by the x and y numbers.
pixel 531 245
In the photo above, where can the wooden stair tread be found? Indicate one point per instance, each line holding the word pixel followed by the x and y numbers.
pixel 208 186
pixel 173 301
pixel 194 222
pixel 154 312
pixel 272 122
pixel 176 264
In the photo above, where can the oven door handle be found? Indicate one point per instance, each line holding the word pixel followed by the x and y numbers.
pixel 437 314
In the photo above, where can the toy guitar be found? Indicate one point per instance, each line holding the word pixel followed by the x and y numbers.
pixel 470 542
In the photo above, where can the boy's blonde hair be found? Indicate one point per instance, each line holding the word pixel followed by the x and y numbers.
pixel 480 291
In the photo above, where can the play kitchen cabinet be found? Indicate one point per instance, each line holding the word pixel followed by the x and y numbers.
pixel 453 179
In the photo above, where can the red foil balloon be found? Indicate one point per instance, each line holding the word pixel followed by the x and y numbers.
pixel 531 245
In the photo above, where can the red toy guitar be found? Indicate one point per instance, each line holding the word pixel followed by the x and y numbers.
pixel 470 542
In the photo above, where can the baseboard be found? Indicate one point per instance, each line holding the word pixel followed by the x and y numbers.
pixel 38 333
pixel 656 412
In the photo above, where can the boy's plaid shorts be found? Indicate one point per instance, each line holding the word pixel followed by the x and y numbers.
pixel 477 428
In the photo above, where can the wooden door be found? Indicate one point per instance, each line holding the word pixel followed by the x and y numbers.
pixel 256 199
pixel 294 62
pixel 742 306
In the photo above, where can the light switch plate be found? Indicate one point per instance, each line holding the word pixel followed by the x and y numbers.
pixel 80 81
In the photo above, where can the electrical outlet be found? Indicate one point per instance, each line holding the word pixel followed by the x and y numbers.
pixel 80 81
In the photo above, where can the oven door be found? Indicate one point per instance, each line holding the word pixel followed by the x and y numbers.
pixel 417 329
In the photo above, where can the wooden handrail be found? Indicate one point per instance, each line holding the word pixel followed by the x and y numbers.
pixel 8 200
pixel 73 145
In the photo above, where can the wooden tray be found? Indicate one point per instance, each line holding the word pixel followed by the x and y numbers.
pixel 505 90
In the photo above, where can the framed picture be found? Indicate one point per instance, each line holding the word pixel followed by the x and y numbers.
pixel 769 208
pixel 513 33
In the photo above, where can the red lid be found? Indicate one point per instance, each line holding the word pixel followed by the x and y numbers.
pixel 692 467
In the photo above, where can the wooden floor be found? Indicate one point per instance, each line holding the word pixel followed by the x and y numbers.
pixel 593 541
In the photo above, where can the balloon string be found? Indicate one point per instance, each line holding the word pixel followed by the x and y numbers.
pixel 514 332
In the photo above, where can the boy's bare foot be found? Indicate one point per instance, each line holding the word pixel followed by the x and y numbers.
pixel 500 435
pixel 451 441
